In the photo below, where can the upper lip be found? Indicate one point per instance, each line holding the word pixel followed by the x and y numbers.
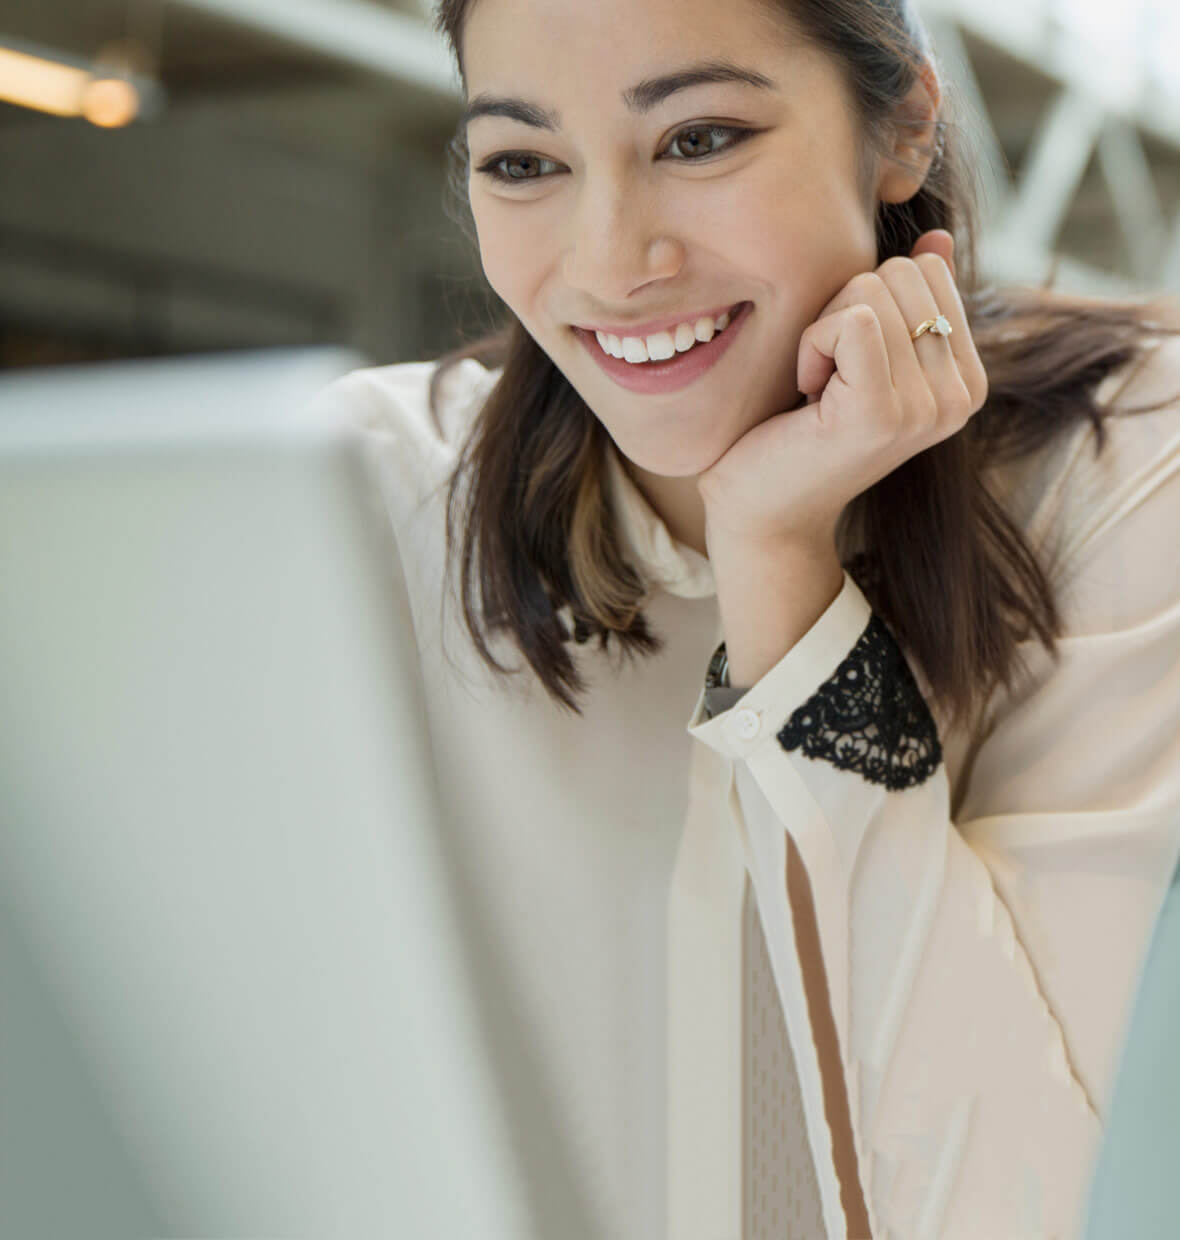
pixel 652 326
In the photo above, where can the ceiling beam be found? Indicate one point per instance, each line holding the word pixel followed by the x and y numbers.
pixel 352 32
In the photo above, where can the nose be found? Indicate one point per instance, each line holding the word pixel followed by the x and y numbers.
pixel 616 244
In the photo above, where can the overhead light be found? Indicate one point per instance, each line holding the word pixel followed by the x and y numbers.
pixel 110 103
pixel 47 82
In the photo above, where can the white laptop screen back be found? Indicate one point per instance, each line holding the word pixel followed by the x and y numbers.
pixel 221 856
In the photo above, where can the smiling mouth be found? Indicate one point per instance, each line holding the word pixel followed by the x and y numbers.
pixel 683 338
pixel 668 374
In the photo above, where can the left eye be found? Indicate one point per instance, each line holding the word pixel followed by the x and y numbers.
pixel 697 131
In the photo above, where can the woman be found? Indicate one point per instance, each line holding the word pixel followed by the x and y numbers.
pixel 753 424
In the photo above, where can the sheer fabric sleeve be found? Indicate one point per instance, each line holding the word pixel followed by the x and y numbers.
pixel 981 961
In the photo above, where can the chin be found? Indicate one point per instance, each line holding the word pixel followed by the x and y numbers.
pixel 658 460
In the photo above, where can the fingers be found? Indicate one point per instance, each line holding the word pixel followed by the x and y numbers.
pixel 909 388
pixel 945 291
pixel 842 351
pixel 904 300
pixel 937 379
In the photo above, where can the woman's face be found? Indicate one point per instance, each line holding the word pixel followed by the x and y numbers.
pixel 633 203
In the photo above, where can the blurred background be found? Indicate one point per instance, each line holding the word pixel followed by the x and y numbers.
pixel 180 176
pixel 193 176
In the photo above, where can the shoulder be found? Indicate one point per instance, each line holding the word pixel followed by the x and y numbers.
pixel 393 403
pixel 1116 503
pixel 1149 379
pixel 1139 449
pixel 1069 489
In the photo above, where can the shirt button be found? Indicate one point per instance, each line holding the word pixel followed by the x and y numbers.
pixel 747 724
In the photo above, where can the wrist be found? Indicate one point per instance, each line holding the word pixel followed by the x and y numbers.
pixel 734 541
pixel 770 563
pixel 769 595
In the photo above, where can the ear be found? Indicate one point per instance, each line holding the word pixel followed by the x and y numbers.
pixel 904 169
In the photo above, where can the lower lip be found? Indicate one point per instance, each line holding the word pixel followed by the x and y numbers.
pixel 675 373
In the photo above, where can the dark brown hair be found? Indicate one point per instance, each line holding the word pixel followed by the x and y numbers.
pixel 532 533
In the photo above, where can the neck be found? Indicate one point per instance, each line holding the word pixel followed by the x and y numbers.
pixel 677 503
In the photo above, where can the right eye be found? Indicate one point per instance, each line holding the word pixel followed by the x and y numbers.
pixel 492 167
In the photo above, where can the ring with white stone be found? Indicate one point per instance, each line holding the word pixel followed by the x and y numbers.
pixel 940 326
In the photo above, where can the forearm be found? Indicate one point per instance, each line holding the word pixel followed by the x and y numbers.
pixel 769 596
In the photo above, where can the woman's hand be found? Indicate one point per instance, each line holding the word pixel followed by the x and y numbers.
pixel 875 397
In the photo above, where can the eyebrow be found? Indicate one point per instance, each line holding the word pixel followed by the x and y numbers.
pixel 641 98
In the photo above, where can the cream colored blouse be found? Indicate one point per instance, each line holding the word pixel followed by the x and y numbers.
pixel 984 902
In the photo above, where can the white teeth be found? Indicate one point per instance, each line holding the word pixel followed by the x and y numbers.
pixel 662 345
pixel 610 344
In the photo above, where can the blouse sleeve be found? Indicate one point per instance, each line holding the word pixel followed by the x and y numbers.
pixel 981 962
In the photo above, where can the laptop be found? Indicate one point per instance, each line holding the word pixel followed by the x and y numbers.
pixel 1134 1189
pixel 236 984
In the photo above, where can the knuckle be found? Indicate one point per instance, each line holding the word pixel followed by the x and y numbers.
pixel 932 264
pixel 925 410
pixel 954 402
pixel 979 388
pixel 895 265
pixel 864 317
pixel 897 412
pixel 865 284
pixel 959 406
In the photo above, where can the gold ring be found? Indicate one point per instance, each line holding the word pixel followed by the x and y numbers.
pixel 940 326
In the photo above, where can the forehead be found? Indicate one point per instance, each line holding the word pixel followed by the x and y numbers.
pixel 575 42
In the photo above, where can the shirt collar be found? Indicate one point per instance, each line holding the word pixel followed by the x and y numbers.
pixel 661 560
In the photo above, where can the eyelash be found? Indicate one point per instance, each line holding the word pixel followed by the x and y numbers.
pixel 491 167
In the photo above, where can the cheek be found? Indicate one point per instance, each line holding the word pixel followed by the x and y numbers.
pixel 811 243
pixel 504 253
pixel 789 223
